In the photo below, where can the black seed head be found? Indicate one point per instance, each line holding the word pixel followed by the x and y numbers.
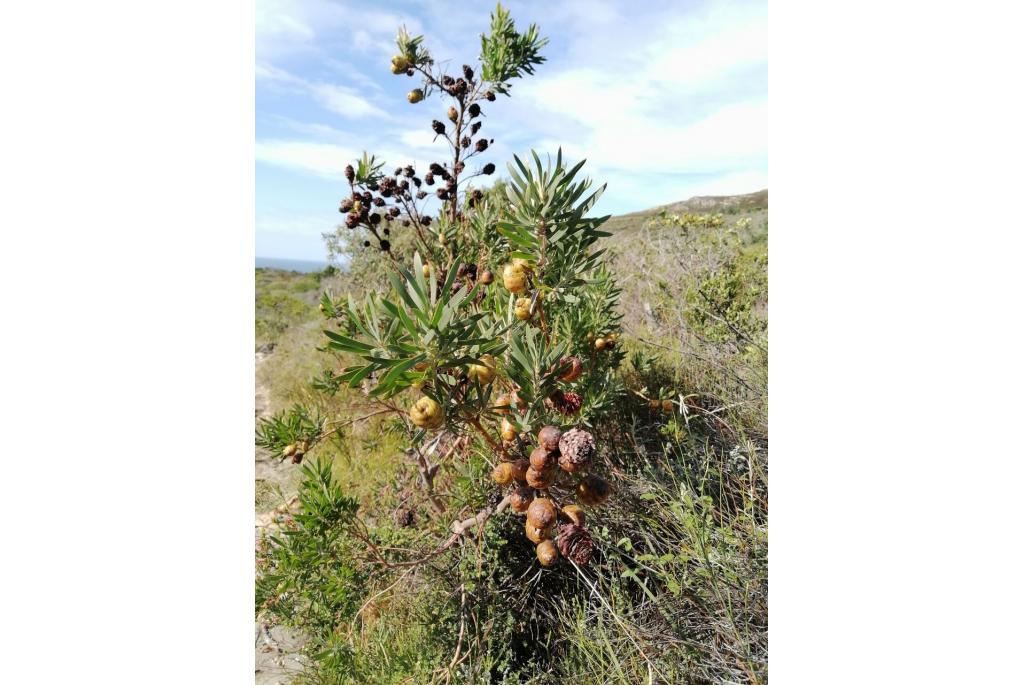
pixel 488 168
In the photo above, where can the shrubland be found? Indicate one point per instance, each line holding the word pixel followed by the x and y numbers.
pixel 454 358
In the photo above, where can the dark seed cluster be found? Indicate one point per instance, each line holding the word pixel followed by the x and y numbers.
pixel 378 201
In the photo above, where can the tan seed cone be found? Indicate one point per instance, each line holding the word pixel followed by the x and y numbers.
pixel 541 480
pixel 502 473
pixel 520 499
pixel 547 553
pixel 548 437
pixel 574 513
pixel 542 512
pixel 542 459
pixel 536 534
pixel 519 469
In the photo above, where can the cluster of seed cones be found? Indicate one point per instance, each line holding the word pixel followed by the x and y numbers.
pixel 558 531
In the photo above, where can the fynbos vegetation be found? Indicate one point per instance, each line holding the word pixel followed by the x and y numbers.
pixel 500 485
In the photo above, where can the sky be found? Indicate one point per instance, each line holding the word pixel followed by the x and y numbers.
pixel 665 100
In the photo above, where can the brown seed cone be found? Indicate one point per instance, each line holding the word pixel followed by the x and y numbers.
pixel 426 413
pixel 487 277
pixel 508 431
pixel 574 514
pixel 537 534
pixel 502 473
pixel 571 367
pixel 502 404
pixel 548 437
pixel 520 499
pixel 542 459
pixel 518 401
pixel 547 553
pixel 541 480
pixel 519 469
pixel 600 344
pixel 542 512
pixel 514 278
pixel 567 403
pixel 667 406
pixel 577 449
pixel 575 543
pixel 593 490
pixel 522 309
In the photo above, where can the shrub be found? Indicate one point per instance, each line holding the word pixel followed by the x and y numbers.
pixel 485 334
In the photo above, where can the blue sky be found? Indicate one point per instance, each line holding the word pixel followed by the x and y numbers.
pixel 666 100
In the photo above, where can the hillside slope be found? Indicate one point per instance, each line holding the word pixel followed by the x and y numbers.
pixel 723 204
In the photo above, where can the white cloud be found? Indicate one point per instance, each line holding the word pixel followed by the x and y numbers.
pixel 338 99
pixel 323 159
pixel 345 101
pixel 290 27
pixel 665 101
pixel 689 100
pixel 328 160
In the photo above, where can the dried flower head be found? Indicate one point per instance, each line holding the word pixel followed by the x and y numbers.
pixel 575 543
pixel 577 448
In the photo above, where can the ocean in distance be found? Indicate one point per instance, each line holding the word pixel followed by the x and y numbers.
pixel 300 265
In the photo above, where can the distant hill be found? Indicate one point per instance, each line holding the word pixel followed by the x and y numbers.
pixel 703 204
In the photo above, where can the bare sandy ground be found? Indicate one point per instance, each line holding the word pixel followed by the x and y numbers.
pixel 277 649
